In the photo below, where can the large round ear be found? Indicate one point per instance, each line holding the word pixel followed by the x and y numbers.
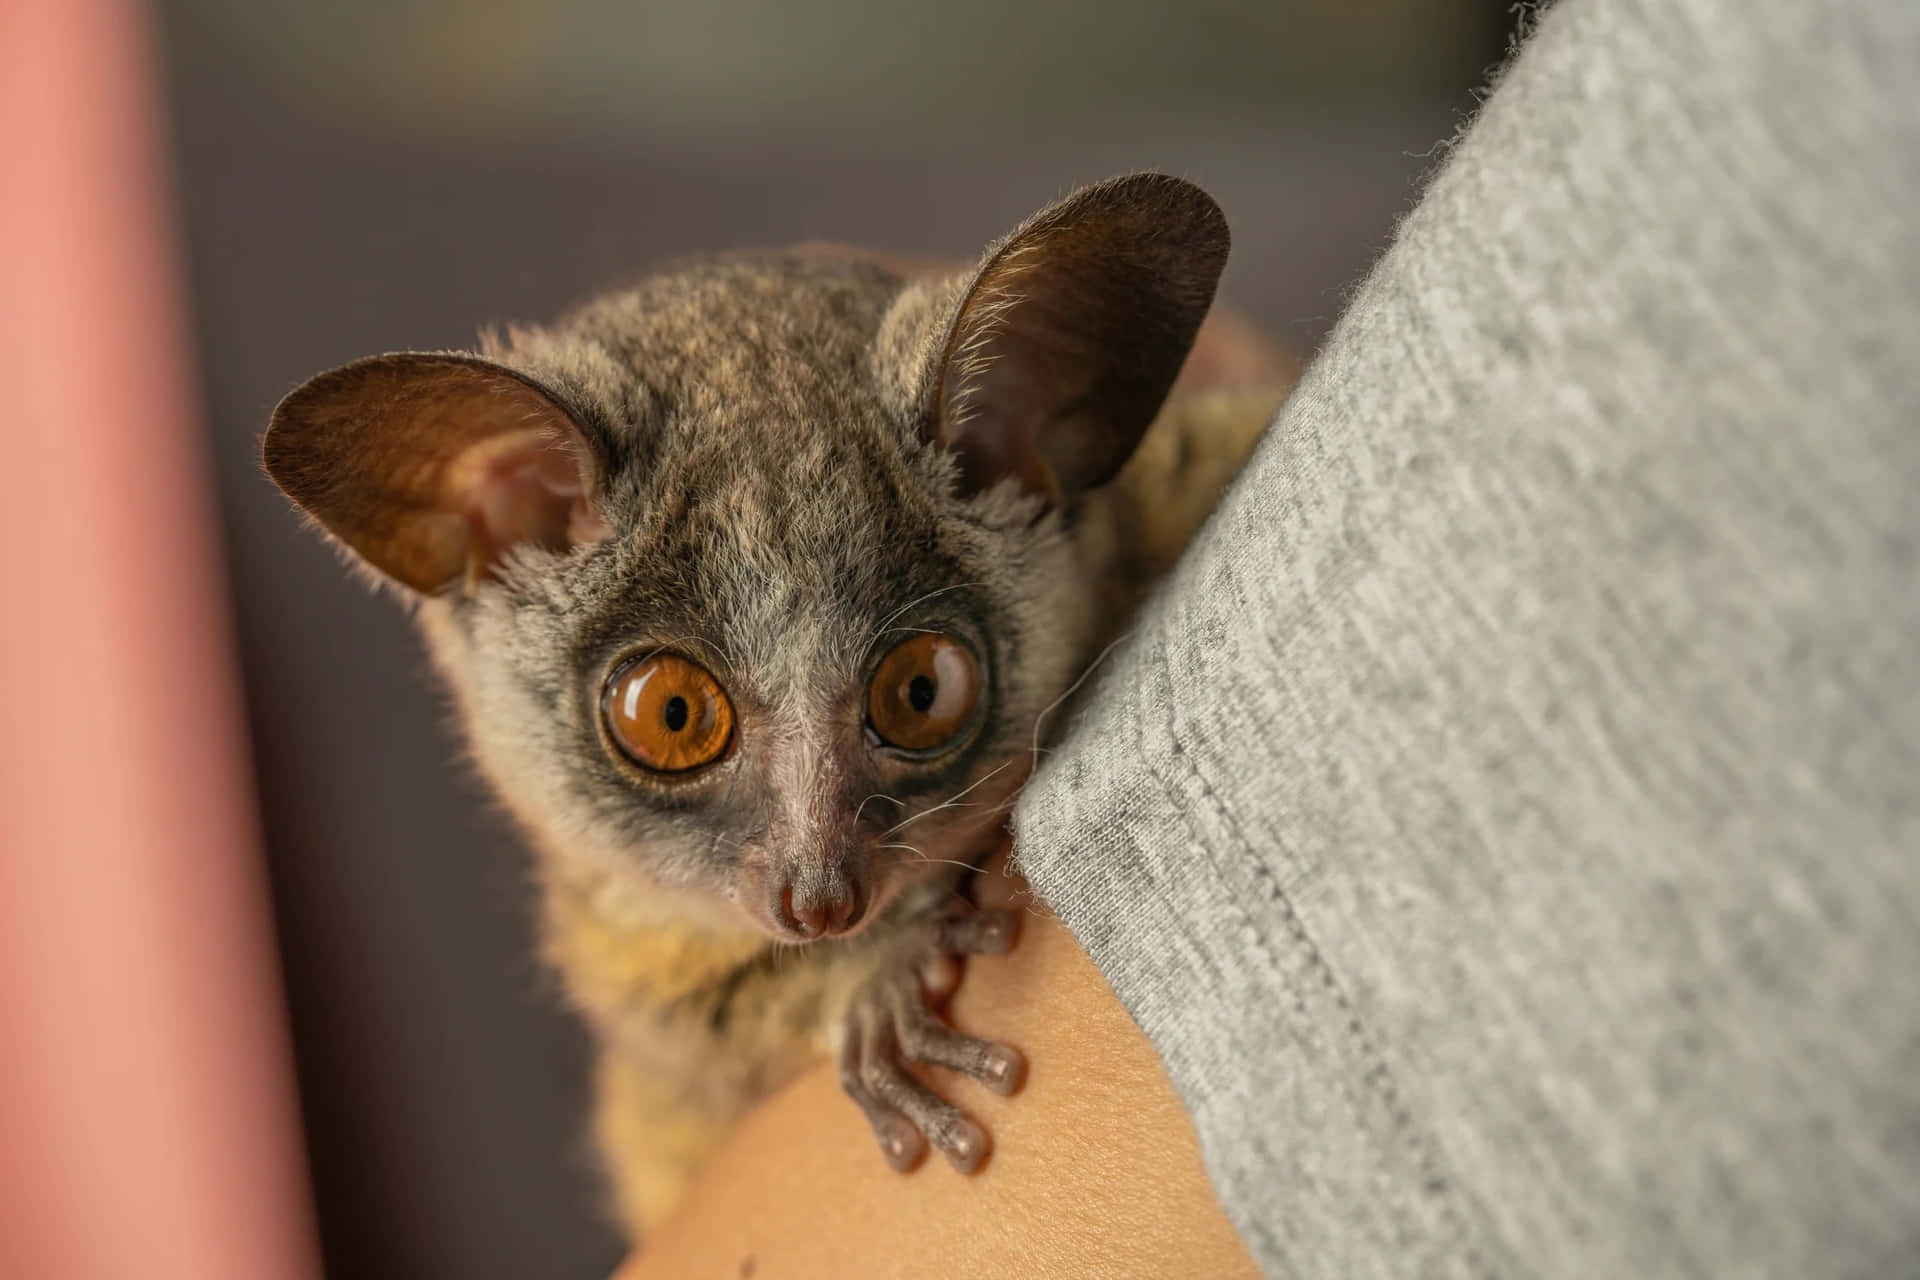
pixel 1072 331
pixel 431 467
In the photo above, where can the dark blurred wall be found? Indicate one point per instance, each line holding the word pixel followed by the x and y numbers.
pixel 359 177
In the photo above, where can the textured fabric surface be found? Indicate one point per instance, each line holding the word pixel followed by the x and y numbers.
pixel 1505 825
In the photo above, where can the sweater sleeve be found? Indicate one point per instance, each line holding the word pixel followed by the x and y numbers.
pixel 1504 823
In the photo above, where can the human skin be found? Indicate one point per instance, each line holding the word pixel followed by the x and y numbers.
pixel 1095 1169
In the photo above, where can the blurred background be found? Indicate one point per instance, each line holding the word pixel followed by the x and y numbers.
pixel 367 175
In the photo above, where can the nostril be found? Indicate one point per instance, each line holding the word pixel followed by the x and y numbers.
pixel 848 906
pixel 816 910
pixel 807 919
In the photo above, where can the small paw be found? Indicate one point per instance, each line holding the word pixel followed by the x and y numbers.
pixel 980 933
pixel 890 1026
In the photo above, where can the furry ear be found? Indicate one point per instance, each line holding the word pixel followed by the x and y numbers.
pixel 432 466
pixel 1072 331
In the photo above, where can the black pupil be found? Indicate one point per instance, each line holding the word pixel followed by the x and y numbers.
pixel 675 713
pixel 920 691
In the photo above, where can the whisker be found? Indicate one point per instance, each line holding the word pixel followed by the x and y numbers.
pixel 917 600
pixel 878 795
pixel 719 650
pixel 922 857
pixel 951 802
pixel 1005 806
pixel 1051 707
pixel 689 640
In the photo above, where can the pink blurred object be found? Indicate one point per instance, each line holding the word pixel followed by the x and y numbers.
pixel 147 1118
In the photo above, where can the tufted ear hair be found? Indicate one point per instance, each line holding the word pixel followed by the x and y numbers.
pixel 1073 330
pixel 431 467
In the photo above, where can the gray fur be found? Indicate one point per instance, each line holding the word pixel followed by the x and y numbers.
pixel 767 444
pixel 778 516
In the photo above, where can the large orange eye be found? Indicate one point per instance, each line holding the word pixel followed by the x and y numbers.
pixel 923 694
pixel 667 714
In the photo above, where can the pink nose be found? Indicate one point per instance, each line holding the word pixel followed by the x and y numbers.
pixel 814 909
